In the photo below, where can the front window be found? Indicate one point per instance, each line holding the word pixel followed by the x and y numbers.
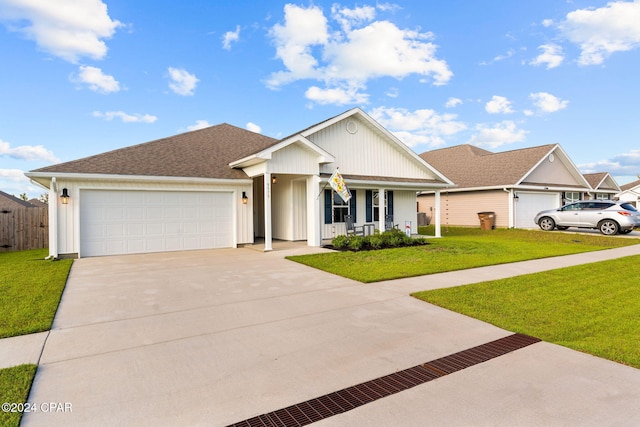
pixel 376 205
pixel 571 197
pixel 601 196
pixel 340 208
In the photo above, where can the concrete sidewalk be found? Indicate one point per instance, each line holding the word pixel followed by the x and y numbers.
pixel 216 337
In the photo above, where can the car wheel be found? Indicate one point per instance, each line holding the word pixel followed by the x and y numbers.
pixel 608 227
pixel 547 224
pixel 560 227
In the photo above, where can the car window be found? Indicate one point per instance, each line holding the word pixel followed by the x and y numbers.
pixel 572 207
pixel 602 205
pixel 628 206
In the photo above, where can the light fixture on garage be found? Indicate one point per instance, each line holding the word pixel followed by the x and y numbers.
pixel 245 199
pixel 64 196
pixel 515 197
pixel 274 179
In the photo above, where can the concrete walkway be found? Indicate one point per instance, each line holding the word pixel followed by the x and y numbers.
pixel 216 337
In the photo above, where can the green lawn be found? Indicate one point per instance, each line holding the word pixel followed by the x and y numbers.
pixel 30 290
pixel 461 248
pixel 593 308
pixel 15 384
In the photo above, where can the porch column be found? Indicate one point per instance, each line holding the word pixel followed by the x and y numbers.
pixel 381 210
pixel 314 217
pixel 267 212
pixel 436 214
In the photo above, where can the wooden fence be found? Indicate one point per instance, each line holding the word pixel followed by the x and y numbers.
pixel 23 229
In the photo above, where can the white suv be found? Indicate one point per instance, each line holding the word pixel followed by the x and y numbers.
pixel 608 216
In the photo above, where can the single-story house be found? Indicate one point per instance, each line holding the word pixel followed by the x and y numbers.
pixel 630 192
pixel 514 185
pixel 223 186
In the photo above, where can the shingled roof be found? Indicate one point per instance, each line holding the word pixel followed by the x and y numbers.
pixel 470 167
pixel 630 185
pixel 204 153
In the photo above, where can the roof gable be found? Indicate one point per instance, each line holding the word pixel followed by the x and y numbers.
pixel 602 181
pixel 473 167
pixel 204 153
pixel 635 185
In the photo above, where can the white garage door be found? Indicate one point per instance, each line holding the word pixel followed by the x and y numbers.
pixel 529 204
pixel 126 222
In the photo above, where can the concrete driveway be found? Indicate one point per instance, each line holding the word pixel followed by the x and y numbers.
pixel 216 337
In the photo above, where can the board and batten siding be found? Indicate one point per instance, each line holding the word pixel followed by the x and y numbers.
pixel 366 152
pixel 461 209
pixel 68 216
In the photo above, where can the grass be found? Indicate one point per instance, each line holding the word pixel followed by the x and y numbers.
pixel 591 308
pixel 15 384
pixel 30 291
pixel 461 248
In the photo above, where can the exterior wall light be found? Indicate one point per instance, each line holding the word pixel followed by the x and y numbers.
pixel 64 196
pixel 245 199
pixel 274 179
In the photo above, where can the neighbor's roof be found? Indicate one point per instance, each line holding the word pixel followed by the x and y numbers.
pixel 204 153
pixel 599 181
pixel 9 201
pixel 630 185
pixel 470 167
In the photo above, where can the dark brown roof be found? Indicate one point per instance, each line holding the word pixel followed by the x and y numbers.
pixel 7 201
pixel 204 153
pixel 470 166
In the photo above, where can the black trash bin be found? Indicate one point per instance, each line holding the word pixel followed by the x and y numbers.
pixel 487 220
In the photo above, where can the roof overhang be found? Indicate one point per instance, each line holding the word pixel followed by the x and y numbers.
pixel 44 178
pixel 390 183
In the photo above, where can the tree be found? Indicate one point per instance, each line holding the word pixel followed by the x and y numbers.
pixel 24 197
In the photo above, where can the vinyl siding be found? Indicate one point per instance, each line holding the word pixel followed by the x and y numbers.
pixel 461 209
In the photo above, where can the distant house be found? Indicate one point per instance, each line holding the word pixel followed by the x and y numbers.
pixel 223 186
pixel 515 184
pixel 8 202
pixel 630 193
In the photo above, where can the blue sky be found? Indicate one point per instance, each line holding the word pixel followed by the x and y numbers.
pixel 82 79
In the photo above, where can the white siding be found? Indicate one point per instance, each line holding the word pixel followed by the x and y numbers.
pixel 552 173
pixel 294 159
pixel 366 152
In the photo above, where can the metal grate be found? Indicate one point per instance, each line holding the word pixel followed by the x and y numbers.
pixel 313 410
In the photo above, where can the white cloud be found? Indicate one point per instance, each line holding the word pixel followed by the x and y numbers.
pixel 498 105
pixel 603 31
pixel 96 80
pixel 254 127
pixel 337 96
pixel 200 124
pixel 492 136
pixel 453 102
pixel 551 55
pixel 68 29
pixel 230 37
pixel 346 57
pixel 347 18
pixel 14 182
pixel 622 164
pixel 182 82
pixel 27 152
pixel 547 103
pixel 125 117
pixel 418 127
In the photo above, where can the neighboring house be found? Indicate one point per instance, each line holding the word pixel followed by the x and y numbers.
pixel 515 185
pixel 8 202
pixel 630 193
pixel 603 186
pixel 223 186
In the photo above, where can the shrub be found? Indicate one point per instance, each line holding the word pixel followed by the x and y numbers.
pixel 340 242
pixel 376 241
pixel 356 243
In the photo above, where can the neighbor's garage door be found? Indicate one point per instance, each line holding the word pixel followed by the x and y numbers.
pixel 529 204
pixel 126 222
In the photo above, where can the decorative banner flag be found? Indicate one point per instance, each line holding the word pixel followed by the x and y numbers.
pixel 337 183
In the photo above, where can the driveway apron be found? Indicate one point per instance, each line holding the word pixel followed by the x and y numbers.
pixel 215 337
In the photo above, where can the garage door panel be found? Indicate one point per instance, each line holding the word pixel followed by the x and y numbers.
pixel 529 204
pixel 119 222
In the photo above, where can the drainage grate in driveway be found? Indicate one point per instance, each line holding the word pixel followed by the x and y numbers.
pixel 349 398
